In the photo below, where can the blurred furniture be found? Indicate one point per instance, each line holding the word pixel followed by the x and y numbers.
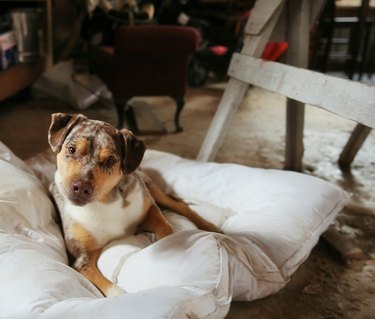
pixel 23 75
pixel 344 35
pixel 146 60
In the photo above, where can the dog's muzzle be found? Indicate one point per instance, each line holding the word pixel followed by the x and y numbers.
pixel 80 192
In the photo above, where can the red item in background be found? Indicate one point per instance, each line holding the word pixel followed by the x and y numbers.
pixel 274 50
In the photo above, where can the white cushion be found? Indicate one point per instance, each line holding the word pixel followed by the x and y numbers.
pixel 271 220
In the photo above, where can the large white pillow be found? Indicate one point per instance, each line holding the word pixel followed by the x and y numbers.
pixel 271 220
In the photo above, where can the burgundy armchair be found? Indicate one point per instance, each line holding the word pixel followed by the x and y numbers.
pixel 146 60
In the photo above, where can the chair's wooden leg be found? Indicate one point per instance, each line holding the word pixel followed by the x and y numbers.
pixel 180 102
pixel 126 117
pixel 120 105
pixel 130 119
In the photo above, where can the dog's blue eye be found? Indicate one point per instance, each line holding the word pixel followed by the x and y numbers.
pixel 71 150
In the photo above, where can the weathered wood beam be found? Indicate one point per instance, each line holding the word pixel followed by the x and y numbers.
pixel 350 99
pixel 261 14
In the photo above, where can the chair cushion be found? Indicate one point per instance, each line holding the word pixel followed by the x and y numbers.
pixel 271 219
pixel 146 60
pixel 152 60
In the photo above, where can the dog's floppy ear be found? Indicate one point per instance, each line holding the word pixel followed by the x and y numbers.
pixel 133 151
pixel 61 125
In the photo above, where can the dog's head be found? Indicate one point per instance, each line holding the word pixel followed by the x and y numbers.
pixel 92 156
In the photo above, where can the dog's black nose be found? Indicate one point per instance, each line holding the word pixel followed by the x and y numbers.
pixel 82 189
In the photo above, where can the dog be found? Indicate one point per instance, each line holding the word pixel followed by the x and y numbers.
pixel 102 194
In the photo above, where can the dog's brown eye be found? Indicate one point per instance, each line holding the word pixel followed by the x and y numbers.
pixel 110 161
pixel 71 150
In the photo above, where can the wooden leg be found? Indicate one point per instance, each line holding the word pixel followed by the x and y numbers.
pixel 120 108
pixel 297 55
pixel 130 120
pixel 295 118
pixel 126 117
pixel 353 145
pixel 232 98
pixel 180 102
pixel 344 245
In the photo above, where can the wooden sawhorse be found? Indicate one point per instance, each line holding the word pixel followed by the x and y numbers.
pixel 346 98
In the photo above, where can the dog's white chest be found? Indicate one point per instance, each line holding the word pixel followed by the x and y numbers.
pixel 108 221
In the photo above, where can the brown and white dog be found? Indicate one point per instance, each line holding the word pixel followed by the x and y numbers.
pixel 101 194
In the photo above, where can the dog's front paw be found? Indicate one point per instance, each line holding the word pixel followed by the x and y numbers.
pixel 114 291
